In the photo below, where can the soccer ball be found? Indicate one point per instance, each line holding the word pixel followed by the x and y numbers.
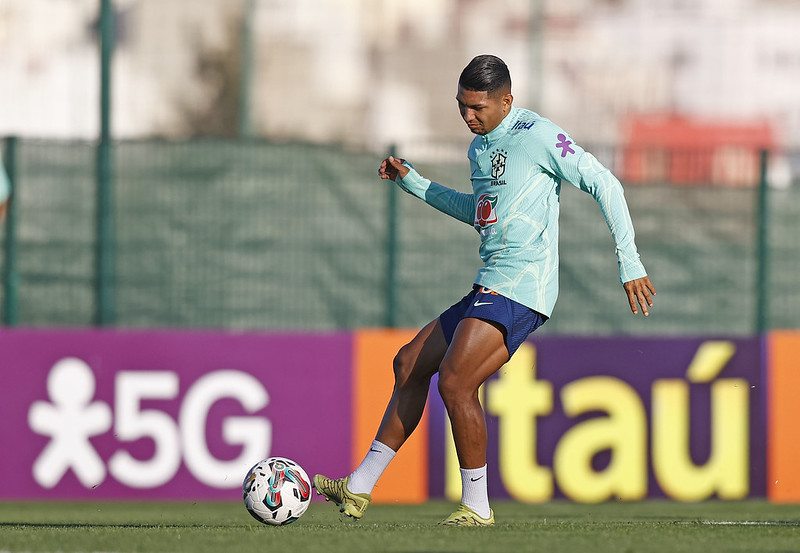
pixel 276 491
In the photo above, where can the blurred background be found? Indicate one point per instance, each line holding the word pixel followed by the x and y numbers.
pixel 213 164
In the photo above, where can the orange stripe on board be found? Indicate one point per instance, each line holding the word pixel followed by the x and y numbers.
pixel 406 479
pixel 783 431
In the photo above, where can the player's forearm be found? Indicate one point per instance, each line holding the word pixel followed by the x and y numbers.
pixel 610 196
pixel 619 222
pixel 458 205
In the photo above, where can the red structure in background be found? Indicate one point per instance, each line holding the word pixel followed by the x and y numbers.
pixel 669 148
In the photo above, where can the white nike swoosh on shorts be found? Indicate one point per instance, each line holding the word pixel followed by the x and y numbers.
pixel 479 303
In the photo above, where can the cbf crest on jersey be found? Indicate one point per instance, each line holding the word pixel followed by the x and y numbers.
pixel 499 158
pixel 498 164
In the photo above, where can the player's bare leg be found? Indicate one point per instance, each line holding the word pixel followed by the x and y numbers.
pixel 476 352
pixel 414 365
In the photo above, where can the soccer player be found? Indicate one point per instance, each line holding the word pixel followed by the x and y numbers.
pixel 518 161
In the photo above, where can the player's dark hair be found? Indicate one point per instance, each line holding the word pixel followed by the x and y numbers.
pixel 485 73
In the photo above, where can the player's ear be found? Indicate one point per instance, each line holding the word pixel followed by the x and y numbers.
pixel 508 99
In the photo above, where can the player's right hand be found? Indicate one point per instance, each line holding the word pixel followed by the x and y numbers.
pixel 391 167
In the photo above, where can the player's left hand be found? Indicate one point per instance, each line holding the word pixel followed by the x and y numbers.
pixel 640 290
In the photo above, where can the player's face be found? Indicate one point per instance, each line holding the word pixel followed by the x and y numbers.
pixel 481 111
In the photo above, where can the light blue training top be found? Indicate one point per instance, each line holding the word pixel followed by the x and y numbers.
pixel 517 170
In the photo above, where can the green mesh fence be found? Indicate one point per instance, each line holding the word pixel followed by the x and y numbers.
pixel 54 203
pixel 248 235
pixel 262 235
pixel 784 258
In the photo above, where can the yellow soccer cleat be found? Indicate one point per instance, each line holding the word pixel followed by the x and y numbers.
pixel 465 516
pixel 349 503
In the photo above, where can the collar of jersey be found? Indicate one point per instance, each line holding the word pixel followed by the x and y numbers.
pixel 500 130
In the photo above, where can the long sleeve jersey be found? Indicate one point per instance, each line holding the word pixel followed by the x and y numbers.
pixel 517 170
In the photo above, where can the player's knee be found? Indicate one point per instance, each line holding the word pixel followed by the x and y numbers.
pixel 451 388
pixel 403 365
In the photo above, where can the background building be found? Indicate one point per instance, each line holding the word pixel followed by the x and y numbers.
pixel 371 72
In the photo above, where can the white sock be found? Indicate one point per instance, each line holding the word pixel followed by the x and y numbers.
pixel 474 492
pixel 364 478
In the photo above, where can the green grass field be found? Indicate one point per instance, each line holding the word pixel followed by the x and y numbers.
pixel 553 527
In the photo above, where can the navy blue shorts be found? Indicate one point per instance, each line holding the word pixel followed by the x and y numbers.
pixel 481 303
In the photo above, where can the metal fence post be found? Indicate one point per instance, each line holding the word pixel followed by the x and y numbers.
pixel 10 273
pixel 762 250
pixel 105 191
pixel 246 71
pixel 392 250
